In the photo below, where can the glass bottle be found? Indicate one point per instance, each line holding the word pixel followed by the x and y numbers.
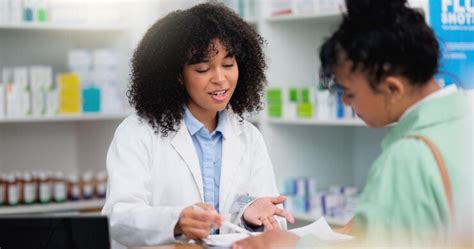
pixel 73 187
pixel 29 188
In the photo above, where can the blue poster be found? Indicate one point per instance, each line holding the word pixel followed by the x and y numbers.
pixel 453 24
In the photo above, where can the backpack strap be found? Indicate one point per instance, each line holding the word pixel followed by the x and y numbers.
pixel 442 170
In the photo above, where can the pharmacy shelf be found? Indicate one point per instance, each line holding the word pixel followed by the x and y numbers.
pixel 65 118
pixel 252 21
pixel 61 27
pixel 316 122
pixel 335 16
pixel 54 207
pixel 340 221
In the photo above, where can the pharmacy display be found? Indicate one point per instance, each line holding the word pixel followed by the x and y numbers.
pixel 453 23
pixel 42 187
pixel 90 86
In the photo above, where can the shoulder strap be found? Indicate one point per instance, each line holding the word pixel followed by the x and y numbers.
pixel 347 229
pixel 442 170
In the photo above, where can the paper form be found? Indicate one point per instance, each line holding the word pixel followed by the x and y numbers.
pixel 320 229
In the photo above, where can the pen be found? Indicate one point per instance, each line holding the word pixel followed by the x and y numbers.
pixel 228 224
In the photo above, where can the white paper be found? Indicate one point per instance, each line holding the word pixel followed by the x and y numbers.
pixel 320 229
pixel 225 240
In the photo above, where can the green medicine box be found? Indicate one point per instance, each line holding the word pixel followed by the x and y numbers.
pixel 305 110
pixel 275 111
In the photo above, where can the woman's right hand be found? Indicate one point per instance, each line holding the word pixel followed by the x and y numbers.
pixel 196 221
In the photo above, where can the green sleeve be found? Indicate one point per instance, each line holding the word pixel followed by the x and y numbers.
pixel 404 198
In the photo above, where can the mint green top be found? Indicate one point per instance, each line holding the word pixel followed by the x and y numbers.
pixel 404 199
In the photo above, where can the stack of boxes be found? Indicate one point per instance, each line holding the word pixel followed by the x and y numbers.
pixel 304 198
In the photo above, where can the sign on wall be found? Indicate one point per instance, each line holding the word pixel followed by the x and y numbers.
pixel 453 23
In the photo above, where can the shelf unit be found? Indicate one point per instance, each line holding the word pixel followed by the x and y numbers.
pixel 334 16
pixel 330 151
pixel 70 206
pixel 317 122
pixel 66 118
pixel 68 143
pixel 62 27
pixel 251 21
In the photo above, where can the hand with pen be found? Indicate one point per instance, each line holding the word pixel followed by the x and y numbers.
pixel 195 222
pixel 262 211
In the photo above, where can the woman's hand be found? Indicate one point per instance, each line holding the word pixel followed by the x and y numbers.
pixel 262 210
pixel 272 239
pixel 196 221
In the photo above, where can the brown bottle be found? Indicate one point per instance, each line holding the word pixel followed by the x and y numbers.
pixel 29 189
pixel 101 184
pixel 20 183
pixel 73 187
pixel 13 190
pixel 59 187
pixel 3 190
pixel 45 189
pixel 87 185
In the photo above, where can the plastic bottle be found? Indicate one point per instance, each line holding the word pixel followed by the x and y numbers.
pixel 42 11
pixel 325 105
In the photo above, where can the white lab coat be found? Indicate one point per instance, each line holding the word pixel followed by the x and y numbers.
pixel 153 178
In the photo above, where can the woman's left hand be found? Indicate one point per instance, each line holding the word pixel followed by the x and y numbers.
pixel 262 210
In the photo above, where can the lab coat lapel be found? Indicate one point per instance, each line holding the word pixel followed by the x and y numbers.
pixel 232 150
pixel 183 145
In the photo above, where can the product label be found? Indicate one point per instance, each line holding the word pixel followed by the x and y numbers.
pixel 2 195
pixel 75 192
pixel 101 189
pixel 59 191
pixel 88 191
pixel 45 192
pixel 29 193
pixel 13 195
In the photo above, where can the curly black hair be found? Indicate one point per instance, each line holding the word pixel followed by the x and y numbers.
pixel 382 38
pixel 185 37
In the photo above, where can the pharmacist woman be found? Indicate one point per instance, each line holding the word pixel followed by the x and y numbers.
pixel 187 161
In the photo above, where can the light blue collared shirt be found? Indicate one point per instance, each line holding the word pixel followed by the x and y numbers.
pixel 209 151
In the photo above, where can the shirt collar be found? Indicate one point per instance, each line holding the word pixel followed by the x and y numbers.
pixel 435 111
pixel 195 125
pixel 221 122
pixel 437 94
pixel 191 122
